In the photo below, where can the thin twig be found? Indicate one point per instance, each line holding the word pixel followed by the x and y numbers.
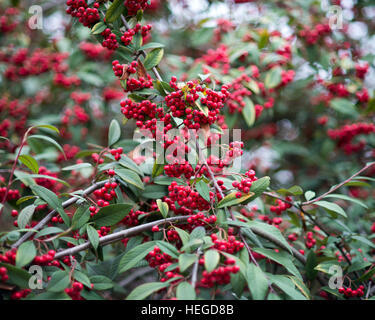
pixel 50 215
pixel 339 185
pixel 113 237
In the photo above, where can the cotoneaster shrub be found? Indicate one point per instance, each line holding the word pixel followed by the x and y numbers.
pixel 79 199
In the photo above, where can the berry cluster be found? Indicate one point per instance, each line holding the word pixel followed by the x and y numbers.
pixel 131 219
pixel 156 258
pixel 23 63
pixel 349 293
pixel 86 15
pixel 309 240
pixel 97 158
pixel 187 199
pixel 281 206
pixel 20 294
pixel 144 112
pixel 134 5
pixel 75 291
pixel 127 37
pixel 46 259
pixel 110 40
pixel 75 116
pixel 13 194
pixel 245 184
pixel 169 274
pixel 3 274
pixel 117 153
pixel 7 20
pixel 276 221
pixel 218 276
pixel 361 70
pixel 293 237
pixel 231 246
pixel 196 104
pixel 65 81
pixel 178 169
pixel 345 135
pixel 312 35
pixel 105 194
pixel 95 51
pixel 9 256
pixel 138 84
pixel 120 69
pixel 200 220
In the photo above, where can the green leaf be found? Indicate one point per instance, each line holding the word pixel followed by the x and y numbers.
pixel 17 276
pixel 293 191
pixel 203 190
pixel 81 277
pixel 52 200
pixel 153 58
pixel 270 230
pixel 101 282
pixel 288 286
pixel 130 164
pixel 29 162
pixel 114 11
pixel 112 214
pixel 185 291
pixel 184 236
pixel 301 286
pixel 152 45
pixel 273 78
pixel 59 281
pixel 198 233
pixel 364 240
pixel 282 258
pixel 260 185
pixel 211 259
pixel 25 216
pixel 98 28
pixel 257 282
pixel 80 217
pixel 26 252
pixel 131 258
pixel 344 106
pixel 154 192
pixel 163 207
pixel 325 267
pixel 47 126
pixel 93 236
pixel 185 260
pixel 114 132
pixel 48 139
pixel 144 290
pixel 248 112
pixel 131 177
pixel 309 195
pixel 168 248
pixel 344 197
pixel 311 263
pixel 231 200
pixel 331 207
pixel 48 231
